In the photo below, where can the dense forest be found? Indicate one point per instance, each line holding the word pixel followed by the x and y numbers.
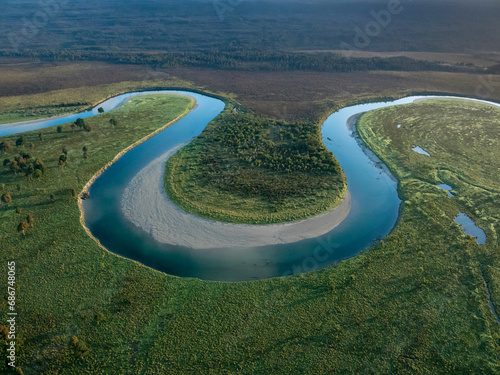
pixel 254 60
pixel 249 169
pixel 246 154
pixel 196 25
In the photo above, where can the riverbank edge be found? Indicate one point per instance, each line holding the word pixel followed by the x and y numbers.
pixel 149 208
pixel 98 174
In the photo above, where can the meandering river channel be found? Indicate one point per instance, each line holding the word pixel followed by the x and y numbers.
pixel 373 214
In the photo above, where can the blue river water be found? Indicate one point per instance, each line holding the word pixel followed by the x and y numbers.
pixel 374 211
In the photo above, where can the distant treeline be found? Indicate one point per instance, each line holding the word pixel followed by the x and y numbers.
pixel 253 60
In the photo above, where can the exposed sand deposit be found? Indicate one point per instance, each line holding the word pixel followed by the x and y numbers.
pixel 147 206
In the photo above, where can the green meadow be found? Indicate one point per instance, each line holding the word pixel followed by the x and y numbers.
pixel 413 303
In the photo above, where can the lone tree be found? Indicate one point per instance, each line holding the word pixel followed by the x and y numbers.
pixel 14 167
pixel 7 198
pixel 30 220
pixel 59 129
pixel 21 141
pixel 113 122
pixel 39 165
pixel 100 110
pixel 62 159
pixel 80 123
pixel 23 227
pixel 5 146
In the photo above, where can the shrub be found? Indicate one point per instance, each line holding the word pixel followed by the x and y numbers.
pixel 5 146
pixel 20 141
pixel 30 220
pixel 7 198
pixel 23 227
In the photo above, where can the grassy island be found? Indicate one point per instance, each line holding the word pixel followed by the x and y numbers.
pixel 245 168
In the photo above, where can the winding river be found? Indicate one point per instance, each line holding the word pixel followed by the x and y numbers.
pixel 373 214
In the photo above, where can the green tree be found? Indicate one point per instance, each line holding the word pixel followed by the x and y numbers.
pixel 100 110
pixel 23 227
pixel 14 167
pixel 7 198
pixel 5 146
pixel 62 159
pixel 39 165
pixel 80 123
pixel 59 129
pixel 21 141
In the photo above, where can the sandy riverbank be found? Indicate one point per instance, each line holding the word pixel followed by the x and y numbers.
pixel 118 156
pixel 146 205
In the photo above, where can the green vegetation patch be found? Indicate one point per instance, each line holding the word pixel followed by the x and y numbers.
pixel 248 169
pixel 460 135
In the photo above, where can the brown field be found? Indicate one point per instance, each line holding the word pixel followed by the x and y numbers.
pixel 285 95
pixel 313 95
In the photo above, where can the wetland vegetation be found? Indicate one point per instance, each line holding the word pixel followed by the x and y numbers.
pixel 245 168
pixel 413 303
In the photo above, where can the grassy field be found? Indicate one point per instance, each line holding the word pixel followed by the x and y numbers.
pixel 248 169
pixel 447 129
pixel 414 303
